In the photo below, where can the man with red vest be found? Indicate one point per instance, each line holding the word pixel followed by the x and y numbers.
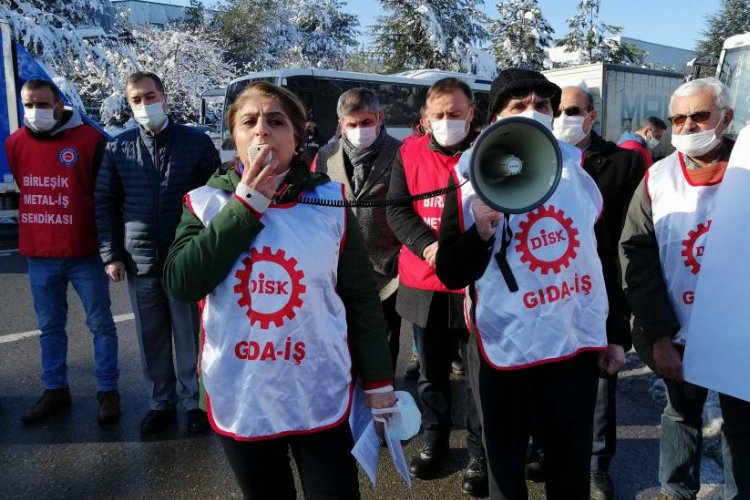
pixel 54 158
pixel 646 138
pixel 426 164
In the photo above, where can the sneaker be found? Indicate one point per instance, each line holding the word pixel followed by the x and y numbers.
pixel 197 421
pixel 412 368
pixel 51 402
pixel 601 485
pixel 475 481
pixel 157 421
pixel 109 406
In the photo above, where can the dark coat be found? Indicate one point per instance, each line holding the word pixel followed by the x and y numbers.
pixel 382 244
pixel 139 192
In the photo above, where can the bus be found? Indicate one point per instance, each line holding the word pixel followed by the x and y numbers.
pixel 400 96
pixel 734 71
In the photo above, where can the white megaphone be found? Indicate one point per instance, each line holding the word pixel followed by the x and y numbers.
pixel 515 165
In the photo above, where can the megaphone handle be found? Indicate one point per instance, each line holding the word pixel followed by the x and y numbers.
pixel 502 262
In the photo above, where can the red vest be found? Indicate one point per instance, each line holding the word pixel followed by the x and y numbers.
pixel 56 178
pixel 643 150
pixel 424 170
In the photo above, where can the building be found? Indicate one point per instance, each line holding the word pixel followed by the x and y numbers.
pixel 657 56
pixel 154 12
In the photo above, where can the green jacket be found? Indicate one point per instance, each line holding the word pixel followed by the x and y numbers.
pixel 201 257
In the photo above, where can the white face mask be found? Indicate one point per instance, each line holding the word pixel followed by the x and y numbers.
pixel 361 137
pixel 449 132
pixel 569 128
pixel 535 115
pixel 696 144
pixel 150 116
pixel 40 120
pixel 653 142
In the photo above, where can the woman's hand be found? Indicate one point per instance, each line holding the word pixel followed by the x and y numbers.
pixel 259 177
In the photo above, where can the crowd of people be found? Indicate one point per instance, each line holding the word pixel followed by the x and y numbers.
pixel 258 309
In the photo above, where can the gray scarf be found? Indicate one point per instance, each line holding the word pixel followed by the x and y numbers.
pixel 362 158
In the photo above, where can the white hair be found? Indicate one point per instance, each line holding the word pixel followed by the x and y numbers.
pixel 718 89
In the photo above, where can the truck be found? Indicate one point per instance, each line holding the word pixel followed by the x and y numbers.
pixel 623 95
pixel 734 71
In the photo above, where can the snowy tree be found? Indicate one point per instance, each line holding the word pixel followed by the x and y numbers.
pixel 732 19
pixel 520 35
pixel 440 34
pixel 267 34
pixel 588 36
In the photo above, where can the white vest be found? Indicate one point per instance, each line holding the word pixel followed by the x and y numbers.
pixel 275 359
pixel 681 211
pixel 561 306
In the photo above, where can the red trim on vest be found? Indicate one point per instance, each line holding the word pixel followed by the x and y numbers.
pixel 687 177
pixel 639 148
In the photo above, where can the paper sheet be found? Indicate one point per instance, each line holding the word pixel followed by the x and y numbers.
pixel 367 451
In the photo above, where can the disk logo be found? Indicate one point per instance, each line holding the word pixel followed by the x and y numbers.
pixel 270 287
pixel 68 157
pixel 694 245
pixel 547 240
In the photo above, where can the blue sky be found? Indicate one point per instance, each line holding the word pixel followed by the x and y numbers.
pixel 678 23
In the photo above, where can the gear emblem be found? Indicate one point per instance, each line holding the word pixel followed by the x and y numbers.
pixel 547 240
pixel 691 250
pixel 275 283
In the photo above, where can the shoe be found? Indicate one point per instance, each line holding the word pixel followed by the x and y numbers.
pixel 428 459
pixel 475 481
pixel 601 485
pixel 412 368
pixel 457 366
pixel 51 402
pixel 197 421
pixel 535 471
pixel 157 421
pixel 109 406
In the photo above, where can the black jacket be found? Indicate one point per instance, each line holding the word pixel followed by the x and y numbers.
pixel 139 192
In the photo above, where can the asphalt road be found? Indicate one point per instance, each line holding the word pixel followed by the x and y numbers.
pixel 70 456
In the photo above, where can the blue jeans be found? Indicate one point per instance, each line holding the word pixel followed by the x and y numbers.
pixel 682 436
pixel 49 286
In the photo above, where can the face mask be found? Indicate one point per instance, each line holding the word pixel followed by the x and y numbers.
pixel 449 132
pixel 150 116
pixel 362 137
pixel 405 418
pixel 569 128
pixel 653 142
pixel 696 144
pixel 535 115
pixel 40 120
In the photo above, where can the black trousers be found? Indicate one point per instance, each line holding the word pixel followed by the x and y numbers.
pixel 327 468
pixel 437 344
pixel 605 423
pixel 562 394
pixel 393 322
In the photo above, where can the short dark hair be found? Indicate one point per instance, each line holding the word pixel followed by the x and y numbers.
pixel 40 83
pixel 653 122
pixel 140 75
pixel 589 100
pixel 448 85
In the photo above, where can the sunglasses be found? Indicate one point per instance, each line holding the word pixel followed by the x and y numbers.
pixel 697 117
pixel 573 110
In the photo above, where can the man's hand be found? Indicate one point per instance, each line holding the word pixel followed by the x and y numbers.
pixel 380 400
pixel 612 360
pixel 430 253
pixel 115 270
pixel 485 218
pixel 667 359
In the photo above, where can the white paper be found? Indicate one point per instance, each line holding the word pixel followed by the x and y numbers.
pixel 367 451
pixel 360 415
pixel 397 455
pixel 718 334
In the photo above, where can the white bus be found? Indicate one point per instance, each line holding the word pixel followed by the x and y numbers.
pixel 734 71
pixel 400 95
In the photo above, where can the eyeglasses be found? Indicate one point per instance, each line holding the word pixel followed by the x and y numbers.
pixel 573 110
pixel 697 117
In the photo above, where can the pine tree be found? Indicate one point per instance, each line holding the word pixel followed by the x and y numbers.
pixel 520 35
pixel 587 35
pixel 439 34
pixel 732 19
pixel 326 34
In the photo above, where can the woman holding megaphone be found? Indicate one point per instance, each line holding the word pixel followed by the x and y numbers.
pixel 289 306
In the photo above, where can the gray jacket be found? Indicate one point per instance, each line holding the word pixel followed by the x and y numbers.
pixel 139 192
pixel 382 244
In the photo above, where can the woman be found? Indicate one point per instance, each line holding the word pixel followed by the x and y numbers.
pixel 290 305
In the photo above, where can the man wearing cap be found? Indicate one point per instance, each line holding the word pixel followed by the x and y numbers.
pixel 617 172
pixel 646 138
pixel 538 286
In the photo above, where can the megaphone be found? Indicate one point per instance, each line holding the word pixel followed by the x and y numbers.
pixel 515 165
